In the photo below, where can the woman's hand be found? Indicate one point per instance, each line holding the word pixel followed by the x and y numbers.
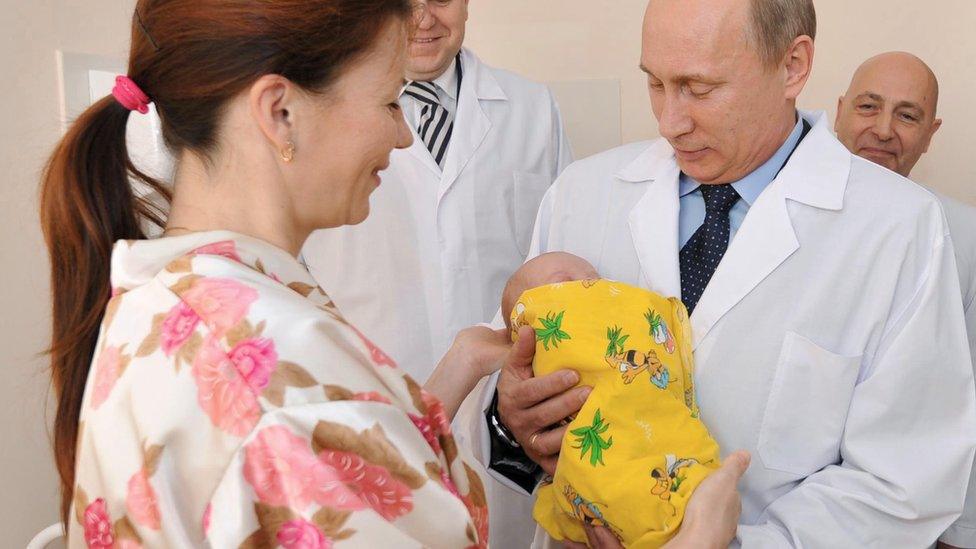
pixel 476 352
pixel 711 516
pixel 597 538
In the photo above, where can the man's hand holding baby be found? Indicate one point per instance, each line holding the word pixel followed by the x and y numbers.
pixel 532 407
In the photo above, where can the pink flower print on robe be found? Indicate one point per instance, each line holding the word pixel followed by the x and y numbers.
pixel 436 414
pixel 225 248
pixel 220 302
pixel 301 534
pixel 179 325
pixel 140 501
pixel 255 359
pixel 222 392
pixel 98 526
pixel 427 430
pixel 371 396
pixel 375 353
pixel 374 485
pixel 480 517
pixel 206 518
pixel 108 369
pixel 284 472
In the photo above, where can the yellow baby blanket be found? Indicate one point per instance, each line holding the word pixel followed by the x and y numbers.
pixel 635 452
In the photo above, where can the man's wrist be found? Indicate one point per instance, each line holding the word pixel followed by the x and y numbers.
pixel 498 427
pixel 506 457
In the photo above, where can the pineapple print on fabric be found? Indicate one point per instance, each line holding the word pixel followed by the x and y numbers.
pixel 619 454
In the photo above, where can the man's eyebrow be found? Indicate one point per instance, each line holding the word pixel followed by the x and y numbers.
pixel 900 105
pixel 693 77
pixel 910 105
pixel 871 95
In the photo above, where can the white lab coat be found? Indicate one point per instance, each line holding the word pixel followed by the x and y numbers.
pixel 830 342
pixel 437 248
pixel 962 228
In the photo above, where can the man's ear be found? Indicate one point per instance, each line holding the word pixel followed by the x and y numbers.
pixel 799 64
pixel 840 106
pixel 271 101
pixel 936 124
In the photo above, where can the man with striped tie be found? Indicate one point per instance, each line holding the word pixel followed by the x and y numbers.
pixel 453 216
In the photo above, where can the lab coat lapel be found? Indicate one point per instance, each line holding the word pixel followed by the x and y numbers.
pixel 471 123
pixel 654 219
pixel 816 175
pixel 419 151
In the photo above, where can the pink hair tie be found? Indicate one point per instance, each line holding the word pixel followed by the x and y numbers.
pixel 129 95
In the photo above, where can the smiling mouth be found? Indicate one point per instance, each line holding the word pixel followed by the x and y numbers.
pixel 879 152
pixel 425 40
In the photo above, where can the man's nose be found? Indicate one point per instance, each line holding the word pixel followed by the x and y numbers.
pixel 674 120
pixel 883 127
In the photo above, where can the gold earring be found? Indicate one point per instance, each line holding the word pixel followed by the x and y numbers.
pixel 288 153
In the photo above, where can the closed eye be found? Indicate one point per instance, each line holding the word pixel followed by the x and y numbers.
pixel 699 90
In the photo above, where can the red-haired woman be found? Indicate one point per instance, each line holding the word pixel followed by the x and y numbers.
pixel 208 390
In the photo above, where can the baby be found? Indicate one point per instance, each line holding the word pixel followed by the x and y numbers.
pixel 635 452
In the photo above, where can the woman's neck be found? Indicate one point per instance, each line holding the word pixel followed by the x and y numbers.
pixel 233 196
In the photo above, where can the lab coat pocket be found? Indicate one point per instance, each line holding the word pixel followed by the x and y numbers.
pixel 529 190
pixel 807 407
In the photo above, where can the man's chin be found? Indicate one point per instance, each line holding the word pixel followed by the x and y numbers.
pixel 699 170
pixel 882 159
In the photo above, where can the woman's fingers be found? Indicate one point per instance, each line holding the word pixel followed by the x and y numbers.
pixel 601 538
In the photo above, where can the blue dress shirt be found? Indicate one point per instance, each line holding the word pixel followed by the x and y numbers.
pixel 691 212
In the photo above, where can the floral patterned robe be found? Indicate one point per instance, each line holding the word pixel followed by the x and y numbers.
pixel 229 404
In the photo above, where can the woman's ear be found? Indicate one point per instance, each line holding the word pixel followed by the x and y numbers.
pixel 271 100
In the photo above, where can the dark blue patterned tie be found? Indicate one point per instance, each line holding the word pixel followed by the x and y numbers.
pixel 702 254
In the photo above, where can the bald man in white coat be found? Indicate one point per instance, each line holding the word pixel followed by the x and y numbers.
pixel 889 116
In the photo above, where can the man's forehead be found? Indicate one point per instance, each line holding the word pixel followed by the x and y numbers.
pixel 688 35
pixel 895 79
pixel 894 88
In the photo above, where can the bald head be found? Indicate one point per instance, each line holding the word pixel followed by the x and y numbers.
pixel 900 72
pixel 888 114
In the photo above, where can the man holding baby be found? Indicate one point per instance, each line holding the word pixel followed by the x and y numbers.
pixel 828 336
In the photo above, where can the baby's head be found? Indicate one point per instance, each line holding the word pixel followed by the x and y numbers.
pixel 546 269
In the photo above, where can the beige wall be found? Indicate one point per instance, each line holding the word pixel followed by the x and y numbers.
pixel 548 40
pixel 30 33
pixel 555 40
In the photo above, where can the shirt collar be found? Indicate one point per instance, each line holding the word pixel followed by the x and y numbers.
pixel 752 185
pixel 447 82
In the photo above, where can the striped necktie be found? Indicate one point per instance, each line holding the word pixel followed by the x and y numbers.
pixel 436 123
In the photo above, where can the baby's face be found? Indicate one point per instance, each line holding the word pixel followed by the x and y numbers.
pixel 546 269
